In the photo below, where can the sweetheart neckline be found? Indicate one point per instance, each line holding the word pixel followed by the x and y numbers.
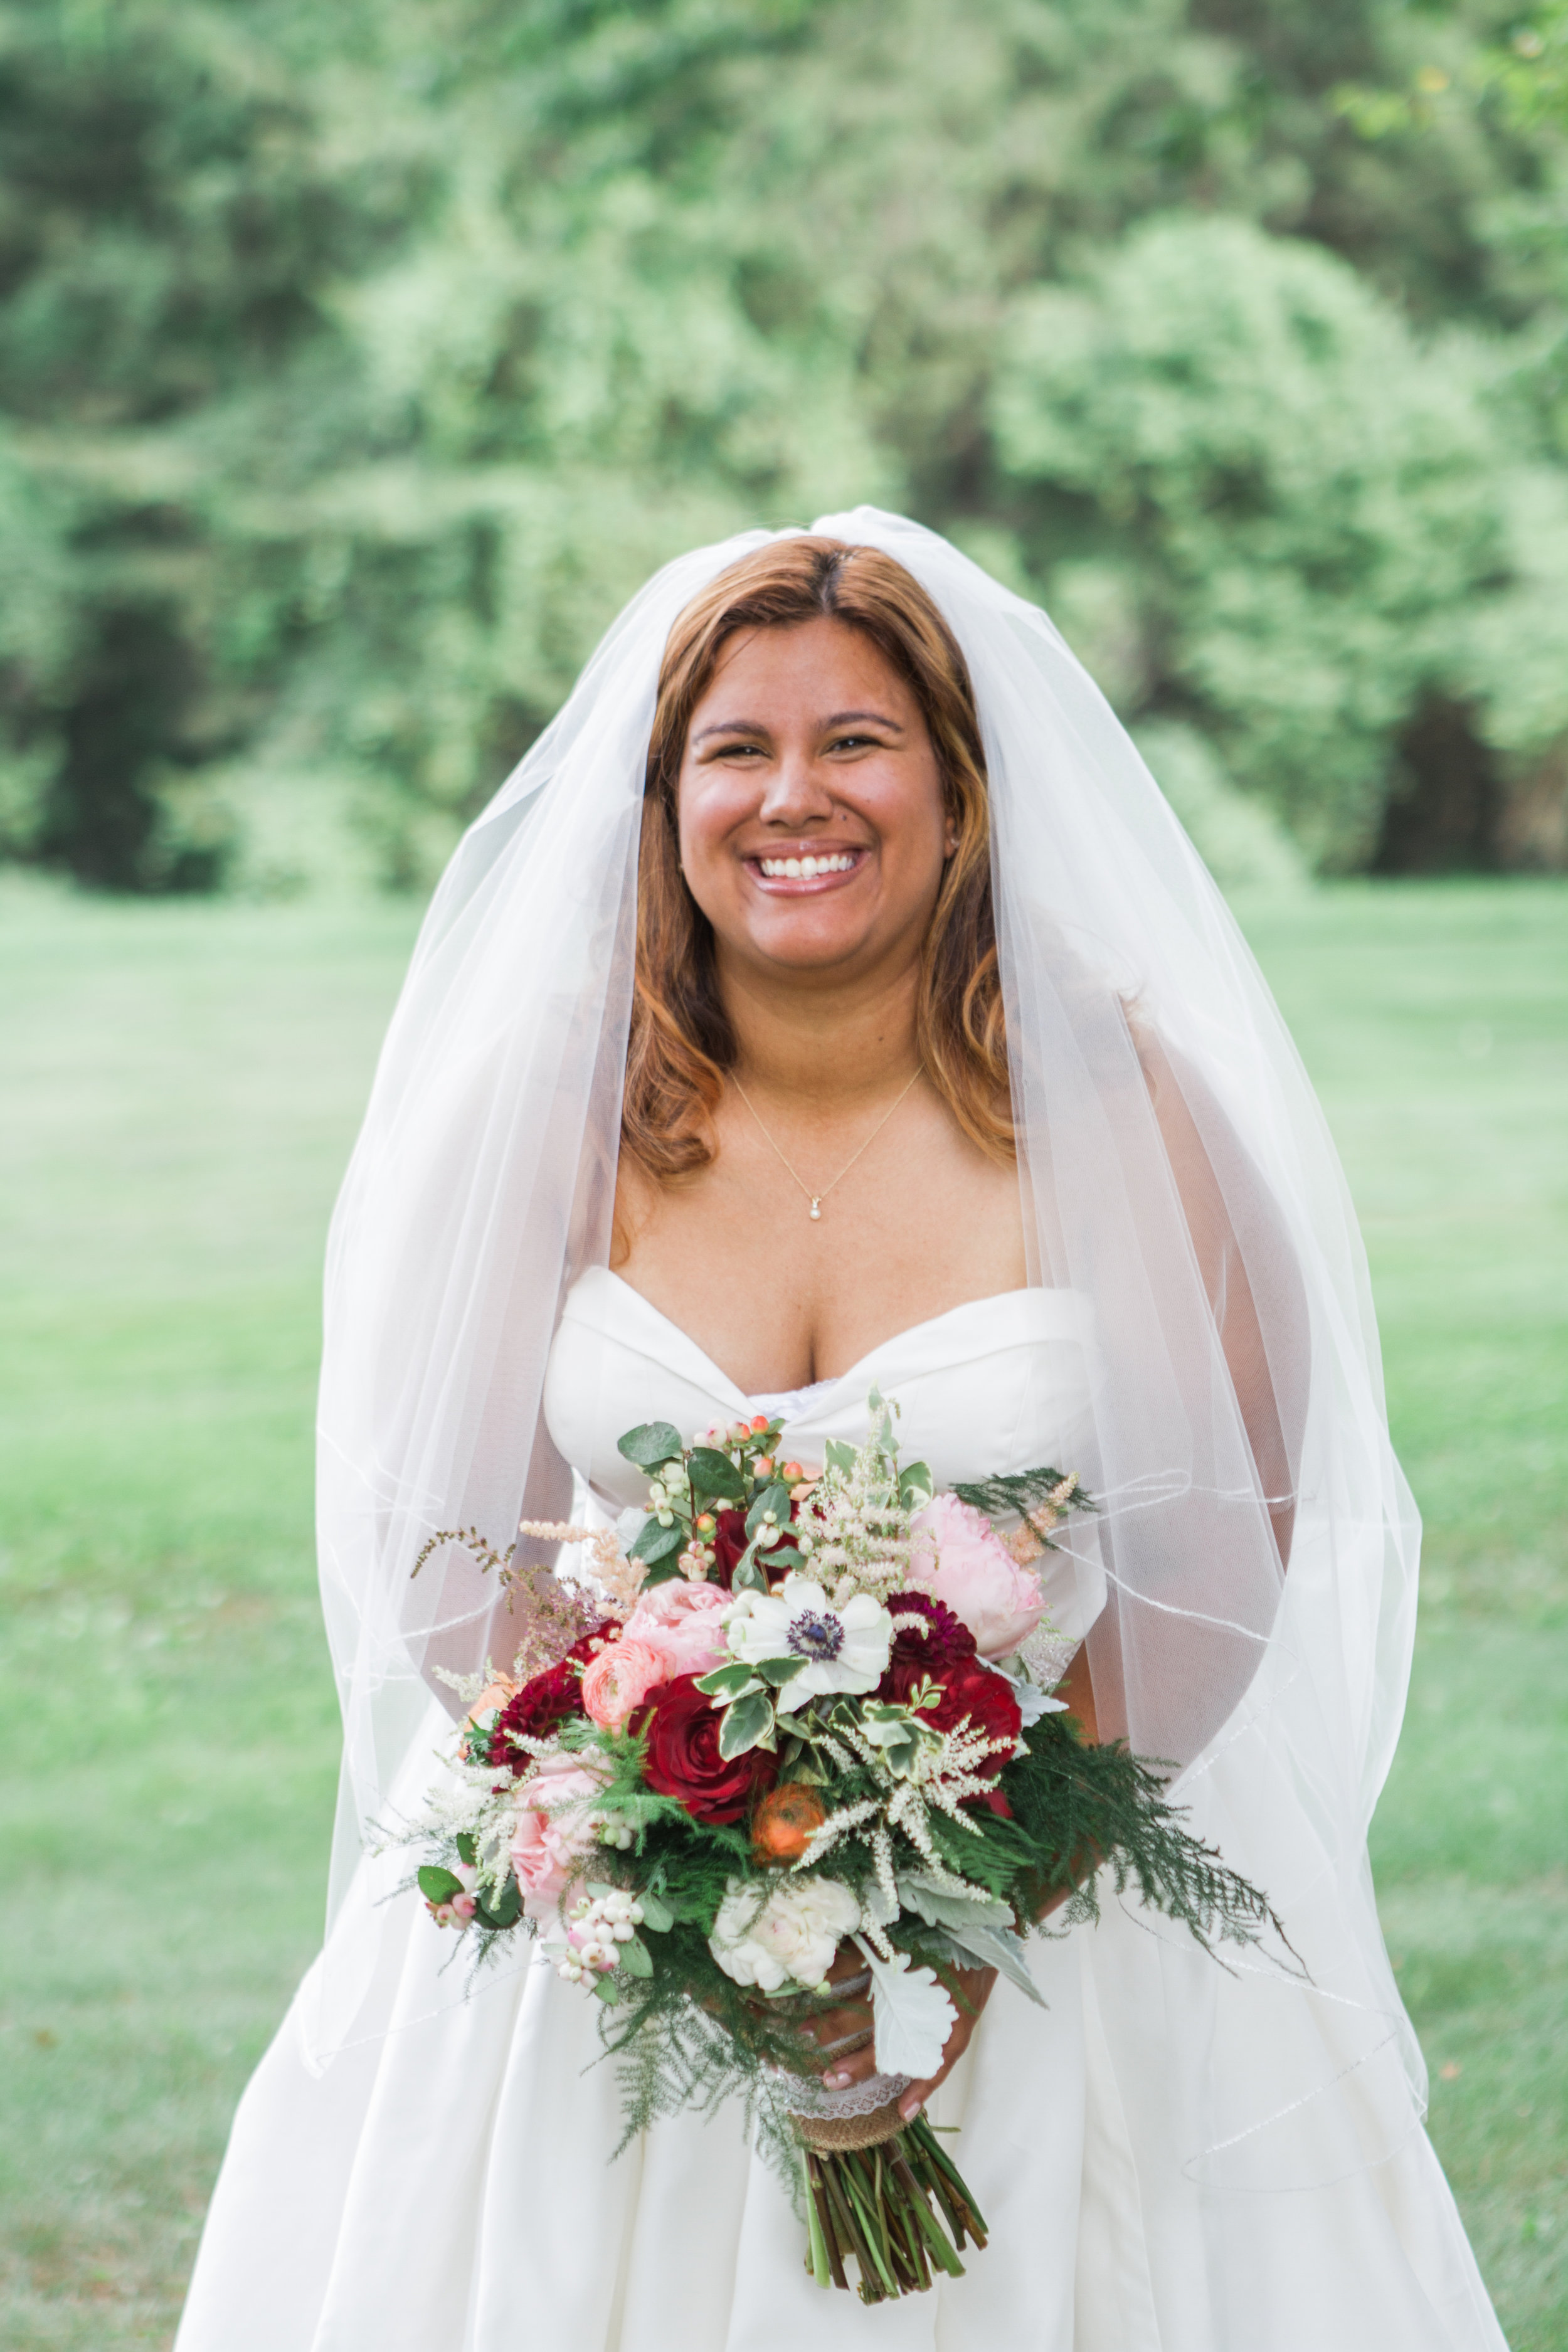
pixel 834 1380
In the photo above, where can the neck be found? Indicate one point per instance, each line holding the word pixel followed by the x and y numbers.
pixel 803 1048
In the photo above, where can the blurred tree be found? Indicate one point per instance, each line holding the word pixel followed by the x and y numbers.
pixel 355 365
pixel 1283 507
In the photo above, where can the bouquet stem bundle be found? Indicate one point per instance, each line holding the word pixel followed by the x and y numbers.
pixel 883 2204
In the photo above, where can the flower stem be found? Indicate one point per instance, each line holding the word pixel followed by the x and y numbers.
pixel 875 2206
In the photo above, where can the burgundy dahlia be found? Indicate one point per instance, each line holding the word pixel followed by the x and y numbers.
pixel 965 1688
pixel 945 1639
pixel 543 1703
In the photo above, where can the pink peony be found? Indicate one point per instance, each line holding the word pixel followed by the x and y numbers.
pixel 553 1830
pixel 957 1559
pixel 680 1621
pixel 616 1684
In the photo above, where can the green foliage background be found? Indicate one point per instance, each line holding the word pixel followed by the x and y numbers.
pixel 357 362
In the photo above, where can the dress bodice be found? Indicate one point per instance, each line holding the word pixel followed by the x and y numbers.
pixel 997 1384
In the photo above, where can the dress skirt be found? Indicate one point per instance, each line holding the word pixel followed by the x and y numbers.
pixel 446 2185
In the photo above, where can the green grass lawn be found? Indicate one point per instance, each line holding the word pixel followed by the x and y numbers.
pixel 179 1085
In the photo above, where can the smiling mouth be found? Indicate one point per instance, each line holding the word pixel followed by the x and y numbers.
pixel 827 865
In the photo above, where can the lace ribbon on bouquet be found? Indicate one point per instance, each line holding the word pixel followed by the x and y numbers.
pixel 826 2119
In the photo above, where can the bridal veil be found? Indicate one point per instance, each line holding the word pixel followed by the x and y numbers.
pixel 1259 1540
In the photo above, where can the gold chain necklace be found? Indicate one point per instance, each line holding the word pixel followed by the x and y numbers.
pixel 816 1199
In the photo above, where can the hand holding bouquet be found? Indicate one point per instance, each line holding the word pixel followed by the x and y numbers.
pixel 800 1727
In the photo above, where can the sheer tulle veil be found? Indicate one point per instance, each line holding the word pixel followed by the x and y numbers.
pixel 1144 1046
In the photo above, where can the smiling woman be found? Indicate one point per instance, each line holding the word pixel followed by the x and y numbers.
pixel 813 705
pixel 988 1109
pixel 797 1034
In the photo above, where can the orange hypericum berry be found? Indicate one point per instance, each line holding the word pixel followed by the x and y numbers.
pixel 786 1822
pixel 765 1465
pixel 791 1473
pixel 759 1424
pixel 704 1523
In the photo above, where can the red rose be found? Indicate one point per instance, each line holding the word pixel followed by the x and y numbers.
pixel 682 1759
pixel 729 1542
pixel 966 1688
pixel 542 1703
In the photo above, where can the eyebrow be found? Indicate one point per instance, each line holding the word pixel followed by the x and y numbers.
pixel 755 727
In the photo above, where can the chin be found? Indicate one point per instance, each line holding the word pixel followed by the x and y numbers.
pixel 803 945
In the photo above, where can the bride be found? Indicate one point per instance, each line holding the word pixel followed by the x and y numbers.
pixel 830 1001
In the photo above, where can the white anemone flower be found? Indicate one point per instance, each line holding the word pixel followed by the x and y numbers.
pixel 845 1649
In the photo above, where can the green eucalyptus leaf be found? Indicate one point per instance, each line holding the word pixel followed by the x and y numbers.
pixel 773 1498
pixel 748 1724
pixel 636 1959
pixel 505 1911
pixel 656 1915
pixel 653 1542
pixel 836 1456
pixel 651 1443
pixel 714 1475
pixel 607 1988
pixel 438 1885
pixel 466 1851
pixel 663 1571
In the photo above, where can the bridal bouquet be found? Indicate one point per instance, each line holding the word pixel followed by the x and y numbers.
pixel 794 1720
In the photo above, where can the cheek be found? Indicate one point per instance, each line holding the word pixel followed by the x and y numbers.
pixel 913 828
pixel 706 811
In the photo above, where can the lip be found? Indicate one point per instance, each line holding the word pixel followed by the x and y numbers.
pixel 803 886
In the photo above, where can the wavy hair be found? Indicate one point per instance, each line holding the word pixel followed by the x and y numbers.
pixel 681 1043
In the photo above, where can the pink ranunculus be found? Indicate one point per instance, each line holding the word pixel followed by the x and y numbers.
pixel 619 1680
pixel 680 1621
pixel 553 1830
pixel 957 1559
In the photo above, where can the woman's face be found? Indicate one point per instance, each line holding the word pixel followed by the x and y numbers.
pixel 813 833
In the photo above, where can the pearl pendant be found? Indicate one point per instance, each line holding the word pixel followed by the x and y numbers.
pixel 816 1209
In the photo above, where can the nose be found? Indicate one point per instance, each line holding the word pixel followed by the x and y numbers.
pixel 797 791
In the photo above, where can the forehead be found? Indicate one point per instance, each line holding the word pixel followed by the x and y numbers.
pixel 804 673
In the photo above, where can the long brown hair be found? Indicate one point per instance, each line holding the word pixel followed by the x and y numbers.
pixel 681 1042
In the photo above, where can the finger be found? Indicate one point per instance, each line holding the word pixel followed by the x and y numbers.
pixel 915 2097
pixel 855 2066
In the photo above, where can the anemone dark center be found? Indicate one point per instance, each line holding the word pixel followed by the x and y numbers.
pixel 817 1638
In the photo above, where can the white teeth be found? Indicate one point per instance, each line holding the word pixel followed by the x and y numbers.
pixel 804 869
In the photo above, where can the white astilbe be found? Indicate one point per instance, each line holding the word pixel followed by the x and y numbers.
pixel 853 1526
pixel 476 1800
pixel 837 1826
pixel 946 1771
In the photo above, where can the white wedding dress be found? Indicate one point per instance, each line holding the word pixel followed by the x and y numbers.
pixel 445 2184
